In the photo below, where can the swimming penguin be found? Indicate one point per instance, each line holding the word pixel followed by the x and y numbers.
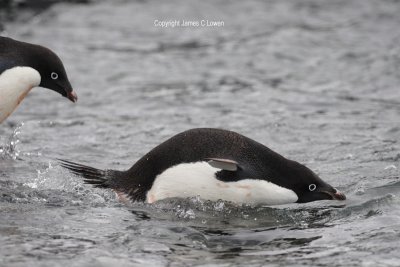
pixel 213 164
pixel 24 66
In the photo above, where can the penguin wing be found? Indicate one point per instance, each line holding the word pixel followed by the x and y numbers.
pixel 230 170
pixel 223 164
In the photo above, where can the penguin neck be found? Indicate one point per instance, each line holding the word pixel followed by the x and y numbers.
pixel 15 84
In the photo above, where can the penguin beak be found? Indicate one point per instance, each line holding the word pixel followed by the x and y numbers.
pixel 72 96
pixel 337 195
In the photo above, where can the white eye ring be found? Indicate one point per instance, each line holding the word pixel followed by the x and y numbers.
pixel 312 187
pixel 54 75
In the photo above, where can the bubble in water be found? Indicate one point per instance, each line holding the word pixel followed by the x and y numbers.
pixel 185 213
pixel 219 205
pixel 360 191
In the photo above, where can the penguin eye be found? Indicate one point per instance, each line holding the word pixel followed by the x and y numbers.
pixel 54 75
pixel 312 187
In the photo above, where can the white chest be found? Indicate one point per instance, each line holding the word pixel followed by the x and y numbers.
pixel 198 179
pixel 15 84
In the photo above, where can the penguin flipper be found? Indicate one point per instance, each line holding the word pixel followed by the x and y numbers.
pixel 230 170
pixel 223 164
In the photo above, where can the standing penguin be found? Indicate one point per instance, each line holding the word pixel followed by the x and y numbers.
pixel 213 164
pixel 24 66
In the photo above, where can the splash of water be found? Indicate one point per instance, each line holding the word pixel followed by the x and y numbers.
pixel 9 149
pixel 41 178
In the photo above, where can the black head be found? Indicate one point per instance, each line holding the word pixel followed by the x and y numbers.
pixel 309 187
pixel 47 63
pixel 54 76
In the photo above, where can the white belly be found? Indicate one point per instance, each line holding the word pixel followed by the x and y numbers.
pixel 15 84
pixel 198 179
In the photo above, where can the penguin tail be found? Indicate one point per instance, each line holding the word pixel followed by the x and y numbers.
pixel 126 189
pixel 96 177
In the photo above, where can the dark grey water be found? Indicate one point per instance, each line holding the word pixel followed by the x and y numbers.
pixel 317 81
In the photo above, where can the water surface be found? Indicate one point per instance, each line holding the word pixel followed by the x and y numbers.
pixel 317 81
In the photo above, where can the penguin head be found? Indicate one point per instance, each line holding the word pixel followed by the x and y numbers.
pixel 52 71
pixel 309 187
pixel 50 67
